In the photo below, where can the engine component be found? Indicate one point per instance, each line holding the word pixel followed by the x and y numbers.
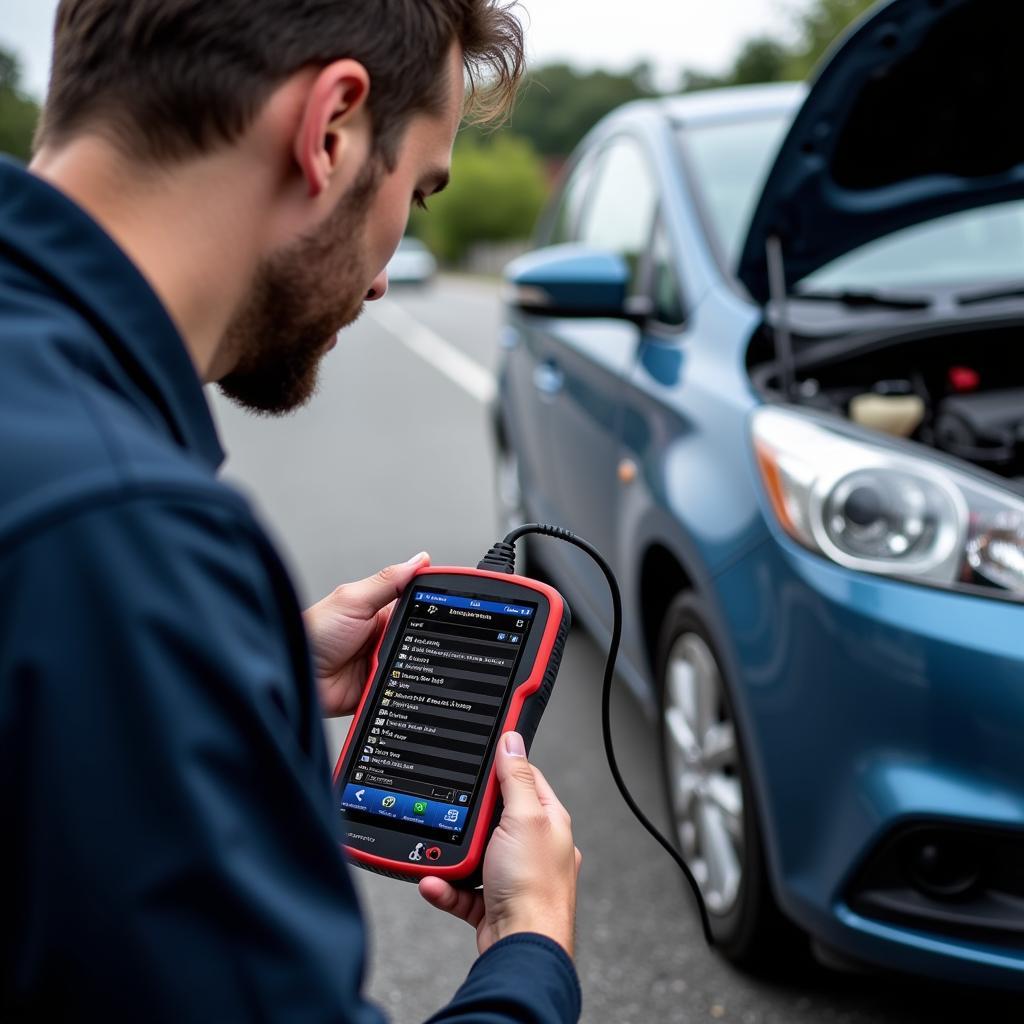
pixel 987 428
pixel 899 415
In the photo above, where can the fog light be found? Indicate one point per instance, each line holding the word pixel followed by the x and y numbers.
pixel 944 868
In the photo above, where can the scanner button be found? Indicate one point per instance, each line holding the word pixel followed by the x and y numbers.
pixel 434 853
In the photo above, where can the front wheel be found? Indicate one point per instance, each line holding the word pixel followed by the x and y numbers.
pixel 512 508
pixel 710 798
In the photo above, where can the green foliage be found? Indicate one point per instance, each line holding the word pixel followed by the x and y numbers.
pixel 760 60
pixel 498 190
pixel 819 25
pixel 18 114
pixel 815 27
pixel 560 104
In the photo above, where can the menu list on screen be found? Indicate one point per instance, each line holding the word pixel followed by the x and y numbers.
pixel 423 744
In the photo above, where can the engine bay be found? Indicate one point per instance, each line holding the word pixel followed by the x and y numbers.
pixel 957 391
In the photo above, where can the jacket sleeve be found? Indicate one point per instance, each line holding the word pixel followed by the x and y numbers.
pixel 170 789
pixel 525 978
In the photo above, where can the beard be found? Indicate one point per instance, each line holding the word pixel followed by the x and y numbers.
pixel 300 298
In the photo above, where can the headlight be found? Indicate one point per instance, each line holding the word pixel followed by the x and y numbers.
pixel 876 508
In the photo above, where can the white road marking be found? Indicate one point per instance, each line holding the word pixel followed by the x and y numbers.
pixel 442 355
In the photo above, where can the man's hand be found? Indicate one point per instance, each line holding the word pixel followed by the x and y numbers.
pixel 344 629
pixel 531 865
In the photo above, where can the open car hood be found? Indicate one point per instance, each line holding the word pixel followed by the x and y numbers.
pixel 915 114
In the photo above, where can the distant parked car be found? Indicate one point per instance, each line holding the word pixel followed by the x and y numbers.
pixel 769 356
pixel 413 263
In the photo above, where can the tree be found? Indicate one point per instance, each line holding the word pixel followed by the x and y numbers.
pixel 497 192
pixel 819 26
pixel 761 59
pixel 18 114
pixel 560 104
pixel 815 28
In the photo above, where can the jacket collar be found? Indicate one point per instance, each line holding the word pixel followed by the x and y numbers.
pixel 50 236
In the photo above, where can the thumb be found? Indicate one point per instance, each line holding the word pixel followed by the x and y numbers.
pixel 367 597
pixel 515 775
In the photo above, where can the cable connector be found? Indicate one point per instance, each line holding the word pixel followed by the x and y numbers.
pixel 501 558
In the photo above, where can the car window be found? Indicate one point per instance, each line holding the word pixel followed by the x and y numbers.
pixel 731 162
pixel 666 292
pixel 574 195
pixel 620 212
pixel 969 247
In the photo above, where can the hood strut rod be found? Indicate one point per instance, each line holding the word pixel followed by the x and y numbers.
pixel 781 331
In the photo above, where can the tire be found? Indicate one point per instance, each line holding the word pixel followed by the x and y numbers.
pixel 511 507
pixel 710 801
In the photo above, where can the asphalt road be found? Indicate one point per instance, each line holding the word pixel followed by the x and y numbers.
pixel 393 457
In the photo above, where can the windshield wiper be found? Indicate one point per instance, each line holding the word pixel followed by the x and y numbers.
pixel 865 299
pixel 1015 291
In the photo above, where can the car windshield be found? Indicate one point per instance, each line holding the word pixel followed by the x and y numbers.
pixel 732 162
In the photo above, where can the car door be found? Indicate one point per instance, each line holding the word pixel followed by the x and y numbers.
pixel 531 351
pixel 586 365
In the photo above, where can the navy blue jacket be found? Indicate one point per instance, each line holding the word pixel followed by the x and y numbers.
pixel 168 849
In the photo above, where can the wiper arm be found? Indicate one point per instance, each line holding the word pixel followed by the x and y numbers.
pixel 865 300
pixel 994 295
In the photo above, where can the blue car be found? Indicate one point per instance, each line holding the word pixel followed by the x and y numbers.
pixel 768 355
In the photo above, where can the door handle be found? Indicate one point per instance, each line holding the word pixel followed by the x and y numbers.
pixel 548 378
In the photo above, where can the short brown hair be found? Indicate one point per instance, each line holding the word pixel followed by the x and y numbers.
pixel 169 79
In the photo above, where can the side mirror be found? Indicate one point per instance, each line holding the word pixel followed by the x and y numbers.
pixel 574 281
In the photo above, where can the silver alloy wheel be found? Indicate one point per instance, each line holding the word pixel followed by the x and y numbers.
pixel 702 755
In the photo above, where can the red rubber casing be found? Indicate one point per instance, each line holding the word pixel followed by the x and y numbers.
pixel 523 715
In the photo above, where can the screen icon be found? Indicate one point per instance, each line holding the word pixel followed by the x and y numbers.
pixel 364 758
pixel 451 815
pixel 371 740
pixel 375 731
pixel 358 776
pixel 380 721
pixel 389 693
pixel 367 750
pixel 503 636
pixel 514 638
pixel 360 793
pixel 388 802
pixel 385 702
pixel 463 798
pixel 420 807
pixel 432 610
pixel 520 624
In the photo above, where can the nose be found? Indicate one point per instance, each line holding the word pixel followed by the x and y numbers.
pixel 379 288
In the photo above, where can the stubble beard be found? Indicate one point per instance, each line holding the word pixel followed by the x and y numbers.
pixel 300 299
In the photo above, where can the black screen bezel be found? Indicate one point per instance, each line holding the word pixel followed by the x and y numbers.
pixel 394 840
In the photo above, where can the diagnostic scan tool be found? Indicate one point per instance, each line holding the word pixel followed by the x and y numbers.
pixel 468 655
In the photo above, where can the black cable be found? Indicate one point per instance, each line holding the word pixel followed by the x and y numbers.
pixel 502 558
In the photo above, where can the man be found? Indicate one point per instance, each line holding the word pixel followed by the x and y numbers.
pixel 217 187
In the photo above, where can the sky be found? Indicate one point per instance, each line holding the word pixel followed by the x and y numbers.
pixel 671 34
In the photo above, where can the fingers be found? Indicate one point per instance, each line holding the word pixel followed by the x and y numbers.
pixel 517 778
pixel 465 905
pixel 369 596
pixel 546 795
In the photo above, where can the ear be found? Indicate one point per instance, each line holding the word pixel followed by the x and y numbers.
pixel 334 105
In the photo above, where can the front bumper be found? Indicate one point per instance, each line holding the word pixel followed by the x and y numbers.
pixel 867 703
